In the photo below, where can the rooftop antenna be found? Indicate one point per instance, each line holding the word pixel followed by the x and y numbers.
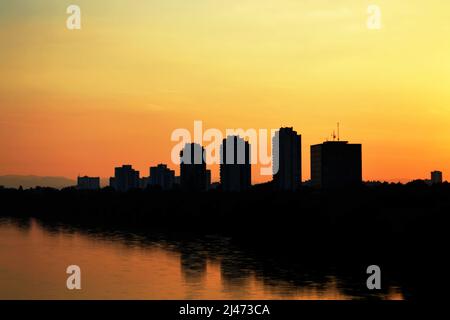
pixel 338 131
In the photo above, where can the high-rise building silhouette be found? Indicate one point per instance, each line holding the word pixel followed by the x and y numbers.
pixel 436 177
pixel 88 183
pixel 336 164
pixel 161 176
pixel 193 175
pixel 235 166
pixel 287 159
pixel 125 178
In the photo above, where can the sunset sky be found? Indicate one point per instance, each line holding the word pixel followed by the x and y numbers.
pixel 85 101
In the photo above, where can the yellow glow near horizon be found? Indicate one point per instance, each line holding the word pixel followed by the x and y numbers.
pixel 82 102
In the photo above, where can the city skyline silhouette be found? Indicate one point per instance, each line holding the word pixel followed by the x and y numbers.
pixel 229 153
pixel 339 160
pixel 235 167
pixel 334 164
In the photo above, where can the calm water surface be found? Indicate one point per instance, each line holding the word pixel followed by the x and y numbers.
pixel 117 265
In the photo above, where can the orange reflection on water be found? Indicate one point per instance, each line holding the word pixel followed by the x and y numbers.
pixel 34 258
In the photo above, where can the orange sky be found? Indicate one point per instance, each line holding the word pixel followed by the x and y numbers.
pixel 84 101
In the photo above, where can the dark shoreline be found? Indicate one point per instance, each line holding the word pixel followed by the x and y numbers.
pixel 402 228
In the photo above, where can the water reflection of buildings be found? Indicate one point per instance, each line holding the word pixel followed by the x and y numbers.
pixel 193 265
pixel 235 275
pixel 22 224
pixel 242 276
pixel 210 269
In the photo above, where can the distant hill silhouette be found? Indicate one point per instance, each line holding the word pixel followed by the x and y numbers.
pixel 30 181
